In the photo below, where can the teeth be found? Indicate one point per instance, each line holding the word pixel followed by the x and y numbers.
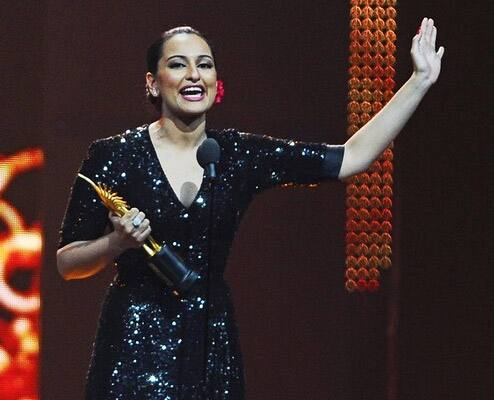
pixel 192 90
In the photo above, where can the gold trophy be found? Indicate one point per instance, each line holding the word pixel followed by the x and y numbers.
pixel 167 265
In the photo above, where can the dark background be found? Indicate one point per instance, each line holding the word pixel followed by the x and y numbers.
pixel 72 72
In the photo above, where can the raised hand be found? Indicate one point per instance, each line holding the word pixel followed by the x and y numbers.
pixel 426 60
pixel 132 228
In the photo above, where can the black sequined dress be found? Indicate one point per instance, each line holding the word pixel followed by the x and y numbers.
pixel 149 343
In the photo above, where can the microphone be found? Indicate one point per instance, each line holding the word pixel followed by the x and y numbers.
pixel 208 154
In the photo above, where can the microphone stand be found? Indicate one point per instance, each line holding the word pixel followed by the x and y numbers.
pixel 208 154
pixel 211 178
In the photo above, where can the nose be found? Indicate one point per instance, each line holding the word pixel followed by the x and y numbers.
pixel 193 73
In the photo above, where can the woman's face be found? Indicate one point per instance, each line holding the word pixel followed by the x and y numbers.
pixel 186 76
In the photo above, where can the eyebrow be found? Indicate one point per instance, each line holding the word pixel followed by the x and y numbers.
pixel 183 57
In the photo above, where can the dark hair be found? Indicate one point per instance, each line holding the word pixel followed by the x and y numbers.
pixel 155 52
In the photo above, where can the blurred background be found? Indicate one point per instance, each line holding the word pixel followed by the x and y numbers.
pixel 72 72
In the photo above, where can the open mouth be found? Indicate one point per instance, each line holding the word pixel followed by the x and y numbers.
pixel 193 93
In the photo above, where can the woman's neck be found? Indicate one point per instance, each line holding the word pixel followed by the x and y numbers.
pixel 179 133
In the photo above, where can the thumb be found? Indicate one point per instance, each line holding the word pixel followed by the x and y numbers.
pixel 440 52
pixel 112 216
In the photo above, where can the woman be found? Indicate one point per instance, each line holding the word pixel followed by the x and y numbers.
pixel 151 344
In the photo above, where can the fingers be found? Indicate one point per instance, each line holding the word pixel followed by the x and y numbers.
pixel 433 37
pixel 126 222
pixel 423 26
pixel 139 234
pixel 130 235
pixel 142 237
pixel 427 34
pixel 428 29
pixel 141 228
pixel 136 231
pixel 129 216
pixel 426 61
pixel 136 221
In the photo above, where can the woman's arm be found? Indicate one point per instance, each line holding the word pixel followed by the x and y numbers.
pixel 81 259
pixel 374 137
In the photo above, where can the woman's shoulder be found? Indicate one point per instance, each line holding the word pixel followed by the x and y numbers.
pixel 123 139
pixel 247 141
pixel 110 158
pixel 233 136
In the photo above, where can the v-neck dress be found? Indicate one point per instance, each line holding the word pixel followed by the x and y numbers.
pixel 151 344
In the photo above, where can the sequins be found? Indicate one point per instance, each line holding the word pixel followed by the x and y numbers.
pixel 151 344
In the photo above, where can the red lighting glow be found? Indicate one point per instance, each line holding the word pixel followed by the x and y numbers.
pixel 20 261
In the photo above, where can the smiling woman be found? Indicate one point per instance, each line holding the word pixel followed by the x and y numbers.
pixel 165 56
pixel 150 343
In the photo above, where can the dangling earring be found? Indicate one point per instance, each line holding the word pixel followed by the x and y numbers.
pixel 220 92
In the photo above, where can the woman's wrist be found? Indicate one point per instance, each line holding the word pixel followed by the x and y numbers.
pixel 115 244
pixel 420 82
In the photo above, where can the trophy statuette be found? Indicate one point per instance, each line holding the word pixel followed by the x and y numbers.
pixel 167 265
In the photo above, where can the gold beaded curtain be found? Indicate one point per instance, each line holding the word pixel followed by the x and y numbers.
pixel 369 195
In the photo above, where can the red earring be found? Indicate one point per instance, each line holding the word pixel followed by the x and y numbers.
pixel 220 92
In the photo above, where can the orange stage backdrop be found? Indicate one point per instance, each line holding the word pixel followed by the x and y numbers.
pixel 369 195
pixel 20 259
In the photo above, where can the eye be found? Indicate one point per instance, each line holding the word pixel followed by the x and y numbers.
pixel 175 65
pixel 205 65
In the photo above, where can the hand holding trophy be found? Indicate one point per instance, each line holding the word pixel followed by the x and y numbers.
pixel 132 228
pixel 167 265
